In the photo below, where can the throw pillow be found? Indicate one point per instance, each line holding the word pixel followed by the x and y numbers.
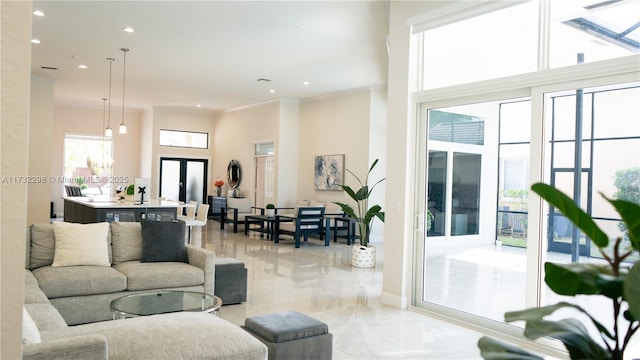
pixel 81 244
pixel 163 241
pixel 30 332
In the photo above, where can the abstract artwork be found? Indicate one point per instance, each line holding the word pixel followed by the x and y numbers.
pixel 329 172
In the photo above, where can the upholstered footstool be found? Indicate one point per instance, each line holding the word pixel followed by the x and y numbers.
pixel 230 281
pixel 292 335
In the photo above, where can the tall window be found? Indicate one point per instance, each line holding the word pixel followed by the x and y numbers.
pixel 508 41
pixel 88 163
pixel 570 128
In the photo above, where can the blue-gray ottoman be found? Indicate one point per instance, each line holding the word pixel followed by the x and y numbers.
pixel 292 335
pixel 230 281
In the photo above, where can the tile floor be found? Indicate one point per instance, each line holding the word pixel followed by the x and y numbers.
pixel 319 281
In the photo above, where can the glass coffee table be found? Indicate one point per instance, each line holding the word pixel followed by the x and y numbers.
pixel 162 302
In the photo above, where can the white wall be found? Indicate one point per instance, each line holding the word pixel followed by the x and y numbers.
pixel 40 127
pixel 76 120
pixel 234 135
pixel 338 124
pixel 146 143
pixel 168 118
pixel 15 77
pixel 287 148
pixel 398 234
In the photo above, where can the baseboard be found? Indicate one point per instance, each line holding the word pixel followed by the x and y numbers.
pixel 394 300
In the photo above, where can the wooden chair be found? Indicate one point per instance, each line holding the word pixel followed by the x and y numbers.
pixel 309 220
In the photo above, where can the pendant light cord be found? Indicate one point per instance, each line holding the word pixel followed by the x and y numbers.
pixel 124 77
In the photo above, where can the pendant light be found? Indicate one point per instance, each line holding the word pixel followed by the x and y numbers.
pixel 104 111
pixel 123 126
pixel 108 131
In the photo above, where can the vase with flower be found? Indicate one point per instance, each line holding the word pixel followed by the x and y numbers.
pixel 218 184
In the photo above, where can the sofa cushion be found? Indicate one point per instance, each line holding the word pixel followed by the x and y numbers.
pixel 242 204
pixel 126 241
pixel 32 292
pixel 163 241
pixel 81 244
pixel 183 335
pixel 30 332
pixel 46 317
pixel 149 276
pixel 42 245
pixel 79 280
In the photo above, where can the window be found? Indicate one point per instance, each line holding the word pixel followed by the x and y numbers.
pixel 510 41
pixel 478 276
pixel 184 139
pixel 476 49
pixel 598 29
pixel 88 163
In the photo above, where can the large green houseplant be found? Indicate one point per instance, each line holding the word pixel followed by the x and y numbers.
pixel 617 280
pixel 362 214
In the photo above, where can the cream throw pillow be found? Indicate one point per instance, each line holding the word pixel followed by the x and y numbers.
pixel 81 244
pixel 30 332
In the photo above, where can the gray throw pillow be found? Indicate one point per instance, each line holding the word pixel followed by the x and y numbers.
pixel 163 241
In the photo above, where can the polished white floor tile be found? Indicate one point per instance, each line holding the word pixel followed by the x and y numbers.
pixel 320 282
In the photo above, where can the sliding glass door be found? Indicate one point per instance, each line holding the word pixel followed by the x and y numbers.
pixel 484 243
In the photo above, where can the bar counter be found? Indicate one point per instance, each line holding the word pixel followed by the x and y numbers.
pixel 86 210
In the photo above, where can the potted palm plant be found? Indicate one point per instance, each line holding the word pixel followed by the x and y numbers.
pixel 364 255
pixel 617 279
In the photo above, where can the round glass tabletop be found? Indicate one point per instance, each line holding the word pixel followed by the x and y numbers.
pixel 161 302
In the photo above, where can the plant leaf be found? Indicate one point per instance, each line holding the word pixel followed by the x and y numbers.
pixel 632 290
pixel 538 314
pixel 346 209
pixel 349 191
pixel 572 279
pixel 362 194
pixel 573 335
pixel 610 286
pixel 630 214
pixel 568 208
pixel 493 349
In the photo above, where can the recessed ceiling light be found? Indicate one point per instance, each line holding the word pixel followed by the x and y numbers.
pixel 305 83
pixel 82 66
pixel 198 105
pixel 38 13
pixel 128 29
pixel 35 41
pixel 272 91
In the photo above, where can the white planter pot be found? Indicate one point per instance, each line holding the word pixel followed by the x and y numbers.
pixel 270 212
pixel 363 257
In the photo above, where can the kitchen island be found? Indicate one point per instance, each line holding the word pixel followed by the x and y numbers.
pixel 86 210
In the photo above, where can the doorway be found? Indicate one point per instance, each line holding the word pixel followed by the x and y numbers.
pixel 183 179
pixel 264 161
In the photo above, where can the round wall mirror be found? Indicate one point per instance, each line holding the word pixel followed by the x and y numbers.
pixel 234 174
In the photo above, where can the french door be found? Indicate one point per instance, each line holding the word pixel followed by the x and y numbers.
pixel 183 179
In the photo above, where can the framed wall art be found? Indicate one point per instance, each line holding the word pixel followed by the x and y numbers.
pixel 329 172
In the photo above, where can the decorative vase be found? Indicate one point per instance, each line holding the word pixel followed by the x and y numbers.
pixel 218 190
pixel 363 256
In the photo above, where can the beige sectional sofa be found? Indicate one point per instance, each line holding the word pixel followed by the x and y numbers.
pixel 59 296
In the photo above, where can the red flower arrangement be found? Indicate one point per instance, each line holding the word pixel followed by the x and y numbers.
pixel 218 183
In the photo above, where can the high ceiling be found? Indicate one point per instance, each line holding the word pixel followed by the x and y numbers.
pixel 208 53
